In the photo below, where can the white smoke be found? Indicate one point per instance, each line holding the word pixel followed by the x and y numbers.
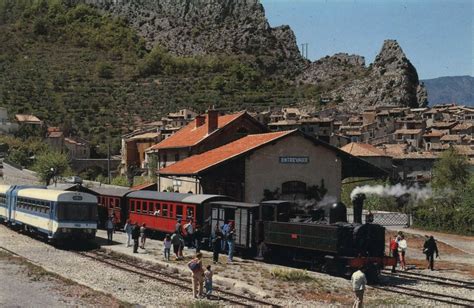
pixel 327 200
pixel 312 203
pixel 416 193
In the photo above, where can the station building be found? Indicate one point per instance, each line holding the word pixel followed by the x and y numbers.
pixel 285 164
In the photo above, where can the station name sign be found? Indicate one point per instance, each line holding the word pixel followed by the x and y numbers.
pixel 294 159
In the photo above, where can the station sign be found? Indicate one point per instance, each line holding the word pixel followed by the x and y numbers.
pixel 294 159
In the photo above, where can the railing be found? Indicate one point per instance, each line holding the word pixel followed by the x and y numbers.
pixel 386 218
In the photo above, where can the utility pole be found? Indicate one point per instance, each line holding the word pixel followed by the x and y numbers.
pixel 108 161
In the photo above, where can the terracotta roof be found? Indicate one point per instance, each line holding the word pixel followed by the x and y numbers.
pixel 284 122
pixel 198 163
pixel 463 126
pixel 435 133
pixel 451 138
pixel 55 134
pixel 416 155
pixel 362 149
pixel 142 186
pixel 27 118
pixel 394 149
pixel 444 124
pixel 408 131
pixel 149 135
pixel 191 135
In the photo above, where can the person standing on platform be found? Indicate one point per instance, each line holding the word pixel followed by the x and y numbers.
pixel 359 282
pixel 110 226
pixel 394 251
pixel 402 250
pixel 230 242
pixel 128 229
pixel 167 247
pixel 135 237
pixel 208 281
pixel 142 236
pixel 216 243
pixel 189 233
pixel 430 248
pixel 195 265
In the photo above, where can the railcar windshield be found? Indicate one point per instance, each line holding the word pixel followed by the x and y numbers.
pixel 77 211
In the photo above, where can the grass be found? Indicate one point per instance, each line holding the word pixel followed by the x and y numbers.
pixel 291 275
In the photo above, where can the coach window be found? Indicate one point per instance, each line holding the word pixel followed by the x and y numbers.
pixel 190 212
pixel 132 205
pixel 144 207
pixel 165 209
pixel 117 203
pixel 171 210
pixel 151 208
pixel 158 209
pixel 139 206
pixel 179 211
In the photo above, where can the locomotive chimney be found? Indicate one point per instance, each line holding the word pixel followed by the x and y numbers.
pixel 357 204
pixel 212 116
pixel 199 120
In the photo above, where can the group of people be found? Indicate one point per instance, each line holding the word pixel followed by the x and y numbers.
pixel 136 233
pixel 223 239
pixel 399 246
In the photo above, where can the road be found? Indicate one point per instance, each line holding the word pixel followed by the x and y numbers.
pixel 12 175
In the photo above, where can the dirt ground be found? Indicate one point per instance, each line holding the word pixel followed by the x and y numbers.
pixel 451 258
pixel 31 286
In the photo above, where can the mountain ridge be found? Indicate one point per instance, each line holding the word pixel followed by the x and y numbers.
pixel 450 89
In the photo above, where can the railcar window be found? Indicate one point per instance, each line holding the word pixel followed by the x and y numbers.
pixel 158 208
pixel 77 211
pixel 171 210
pixel 132 205
pixel 144 207
pixel 151 208
pixel 189 212
pixel 139 206
pixel 165 210
pixel 179 211
pixel 117 203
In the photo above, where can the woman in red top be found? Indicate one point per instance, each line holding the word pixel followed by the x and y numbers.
pixel 394 251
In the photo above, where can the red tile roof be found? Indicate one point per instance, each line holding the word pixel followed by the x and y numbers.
pixel 362 149
pixel 201 162
pixel 191 135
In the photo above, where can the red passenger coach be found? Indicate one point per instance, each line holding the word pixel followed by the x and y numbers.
pixel 111 201
pixel 160 210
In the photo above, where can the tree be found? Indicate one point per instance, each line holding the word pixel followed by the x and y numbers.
pixel 50 164
pixel 451 171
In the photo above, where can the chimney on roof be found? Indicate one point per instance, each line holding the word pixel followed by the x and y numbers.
pixel 200 119
pixel 212 116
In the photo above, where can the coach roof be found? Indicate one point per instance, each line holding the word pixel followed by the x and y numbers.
pixel 175 197
pixel 55 195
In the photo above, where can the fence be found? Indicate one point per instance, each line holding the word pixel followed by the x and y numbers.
pixel 385 218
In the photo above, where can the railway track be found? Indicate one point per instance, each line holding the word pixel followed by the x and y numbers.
pixel 434 296
pixel 170 278
pixel 456 283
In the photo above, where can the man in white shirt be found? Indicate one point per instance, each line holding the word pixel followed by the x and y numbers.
pixel 189 233
pixel 358 286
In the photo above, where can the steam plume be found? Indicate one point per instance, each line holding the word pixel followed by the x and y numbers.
pixel 398 190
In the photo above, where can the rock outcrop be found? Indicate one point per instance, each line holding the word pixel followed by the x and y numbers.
pixel 198 27
pixel 390 81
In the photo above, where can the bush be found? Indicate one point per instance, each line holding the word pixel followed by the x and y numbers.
pixel 290 275
pixel 105 70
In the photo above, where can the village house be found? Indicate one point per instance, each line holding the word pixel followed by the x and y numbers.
pixel 410 136
pixel 371 154
pixel 204 133
pixel 55 139
pixel 6 126
pixel 290 164
pixel 77 148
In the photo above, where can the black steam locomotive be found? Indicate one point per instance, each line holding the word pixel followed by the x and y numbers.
pixel 320 237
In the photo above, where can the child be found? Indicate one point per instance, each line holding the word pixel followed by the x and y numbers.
pixel 143 236
pixel 208 281
pixel 167 245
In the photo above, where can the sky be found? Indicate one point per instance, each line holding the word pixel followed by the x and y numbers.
pixel 437 36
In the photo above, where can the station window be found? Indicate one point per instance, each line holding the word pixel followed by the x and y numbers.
pixel 293 187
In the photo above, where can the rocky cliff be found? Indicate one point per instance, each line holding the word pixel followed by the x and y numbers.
pixel 390 80
pixel 197 27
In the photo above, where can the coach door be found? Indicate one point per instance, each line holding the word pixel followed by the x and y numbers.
pixel 218 217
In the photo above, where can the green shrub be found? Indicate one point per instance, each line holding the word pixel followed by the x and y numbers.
pixel 290 275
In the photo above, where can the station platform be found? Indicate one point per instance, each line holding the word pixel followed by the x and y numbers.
pixel 224 277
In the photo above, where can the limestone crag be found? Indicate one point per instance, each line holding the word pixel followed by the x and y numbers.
pixel 390 80
pixel 197 27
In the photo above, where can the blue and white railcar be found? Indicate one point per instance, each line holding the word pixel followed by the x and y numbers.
pixel 57 214
pixel 3 202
